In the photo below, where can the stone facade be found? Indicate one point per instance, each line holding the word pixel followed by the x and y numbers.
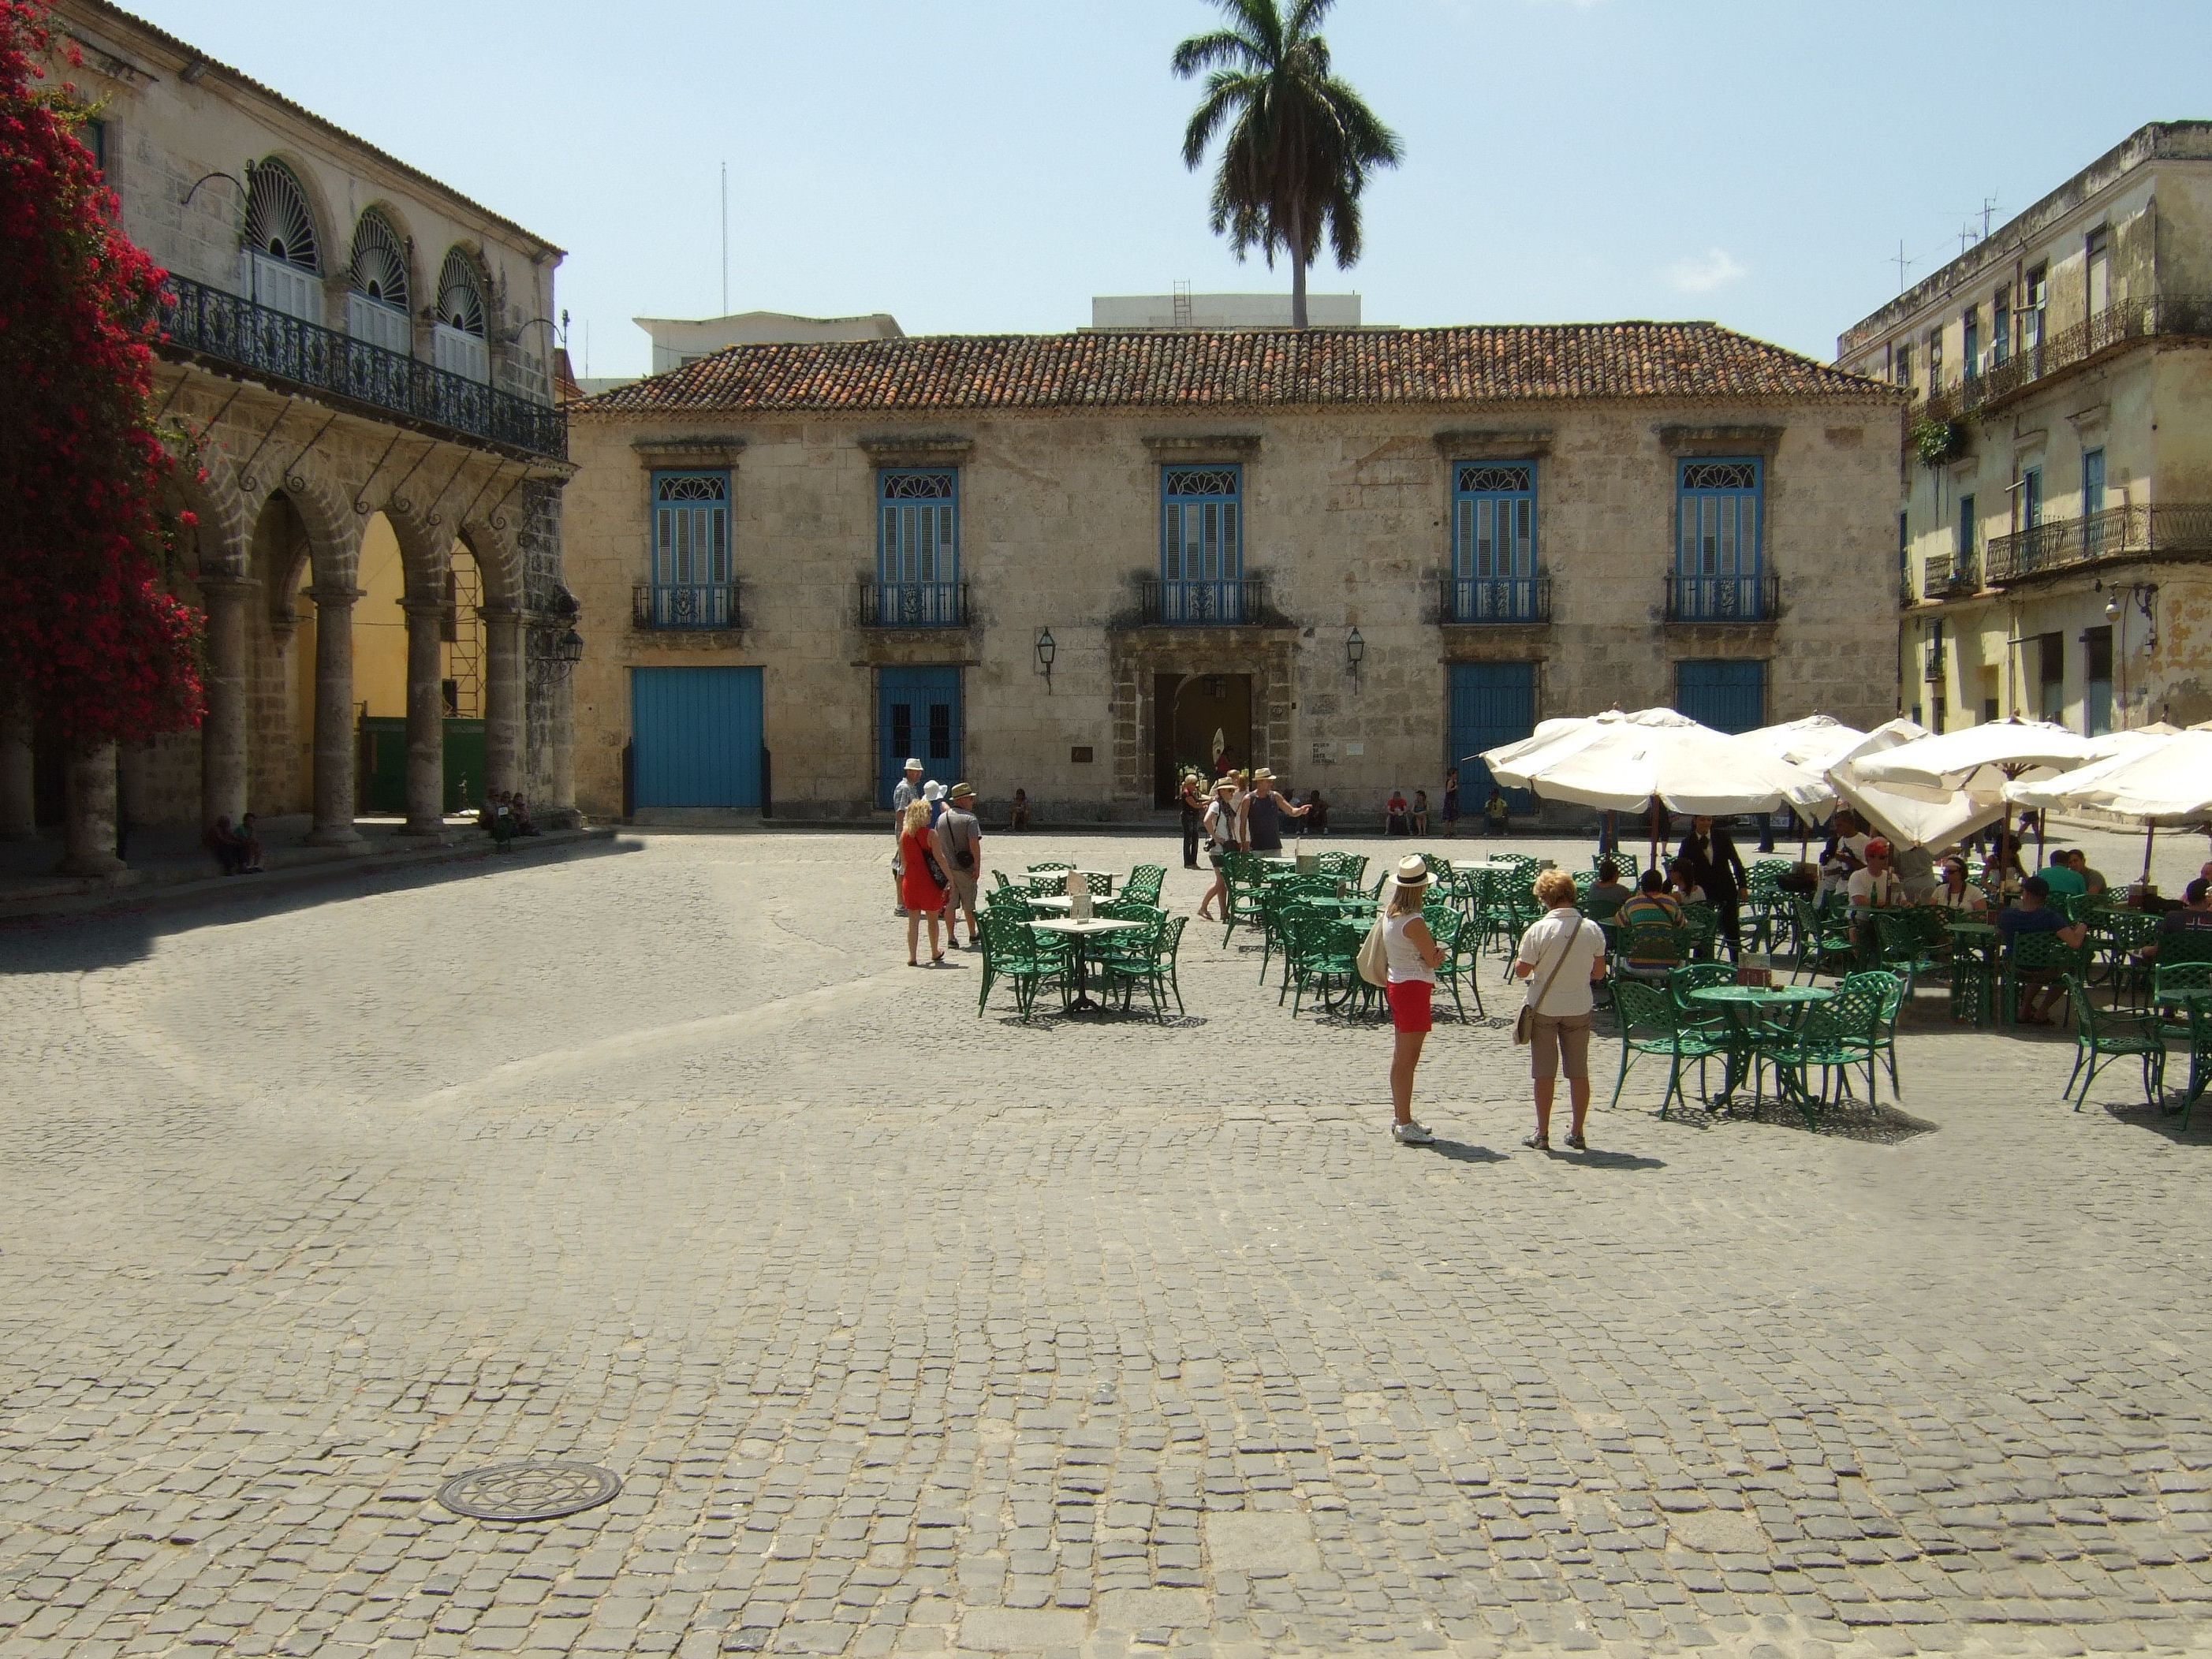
pixel 302 440
pixel 2056 540
pixel 1347 508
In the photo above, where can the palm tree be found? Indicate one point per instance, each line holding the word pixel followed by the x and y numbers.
pixel 1301 142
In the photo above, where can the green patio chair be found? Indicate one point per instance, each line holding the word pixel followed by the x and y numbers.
pixel 2176 976
pixel 1461 957
pixel 1047 866
pixel 1697 977
pixel 1820 946
pixel 1704 922
pixel 1846 1031
pixel 1144 882
pixel 2117 935
pixel 2034 955
pixel 1329 956
pixel 1659 943
pixel 2098 1037
pixel 1015 952
pixel 1650 1024
pixel 1348 867
pixel 1247 880
pixel 2190 946
pixel 1151 964
pixel 1006 883
pixel 1764 872
pixel 1902 949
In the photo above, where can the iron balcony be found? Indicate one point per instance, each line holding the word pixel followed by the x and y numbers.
pixel 659 605
pixel 205 322
pixel 2156 528
pixel 1748 598
pixel 1942 575
pixel 914 604
pixel 1490 600
pixel 2115 326
pixel 1227 602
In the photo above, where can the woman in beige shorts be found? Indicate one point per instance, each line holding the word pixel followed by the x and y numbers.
pixel 1561 956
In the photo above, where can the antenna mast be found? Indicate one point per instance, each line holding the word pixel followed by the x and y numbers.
pixel 1902 262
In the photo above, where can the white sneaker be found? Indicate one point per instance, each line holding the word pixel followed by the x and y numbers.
pixel 1411 1134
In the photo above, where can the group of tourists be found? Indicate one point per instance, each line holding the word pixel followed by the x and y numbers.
pixel 1559 958
pixel 1245 814
pixel 938 864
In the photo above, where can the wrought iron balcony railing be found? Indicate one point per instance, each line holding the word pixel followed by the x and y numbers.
pixel 1697 599
pixel 1230 602
pixel 1497 599
pixel 686 604
pixel 2130 319
pixel 914 604
pixel 289 353
pixel 1942 575
pixel 2156 527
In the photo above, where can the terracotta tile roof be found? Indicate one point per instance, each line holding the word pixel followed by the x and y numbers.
pixel 1240 368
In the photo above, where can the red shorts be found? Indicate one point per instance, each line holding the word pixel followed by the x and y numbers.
pixel 1409 1004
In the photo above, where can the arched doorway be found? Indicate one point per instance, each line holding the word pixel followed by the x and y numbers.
pixel 380 674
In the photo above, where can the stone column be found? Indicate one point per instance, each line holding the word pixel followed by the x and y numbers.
pixel 89 835
pixel 563 814
pixel 426 719
pixel 222 734
pixel 19 810
pixel 334 720
pixel 503 698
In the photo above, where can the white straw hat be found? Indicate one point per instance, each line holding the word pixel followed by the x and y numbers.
pixel 1413 871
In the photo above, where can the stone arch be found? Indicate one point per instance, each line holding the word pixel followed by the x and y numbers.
pixel 422 551
pixel 294 174
pixel 326 507
pixel 366 238
pixel 492 543
pixel 207 484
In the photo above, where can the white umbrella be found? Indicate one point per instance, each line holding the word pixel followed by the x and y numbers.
pixel 1994 754
pixel 1816 742
pixel 2159 775
pixel 1911 814
pixel 1981 759
pixel 1623 762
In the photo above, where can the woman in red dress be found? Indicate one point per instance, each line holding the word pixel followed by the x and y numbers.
pixel 920 891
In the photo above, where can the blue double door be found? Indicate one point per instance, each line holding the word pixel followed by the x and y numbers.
pixel 917 716
pixel 696 737
pixel 1493 703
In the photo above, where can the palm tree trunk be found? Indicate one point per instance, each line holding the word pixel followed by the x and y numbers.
pixel 1297 288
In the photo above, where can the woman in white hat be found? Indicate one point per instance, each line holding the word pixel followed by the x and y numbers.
pixel 1413 954
pixel 1224 832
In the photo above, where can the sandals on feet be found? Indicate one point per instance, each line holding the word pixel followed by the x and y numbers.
pixel 1579 1143
pixel 1537 1143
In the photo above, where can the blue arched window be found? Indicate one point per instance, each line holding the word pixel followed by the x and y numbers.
pixel 1719 564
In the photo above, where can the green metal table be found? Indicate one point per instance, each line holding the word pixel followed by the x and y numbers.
pixel 1759 1017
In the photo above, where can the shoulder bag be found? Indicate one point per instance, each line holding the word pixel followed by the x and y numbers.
pixel 1374 958
pixel 1524 1023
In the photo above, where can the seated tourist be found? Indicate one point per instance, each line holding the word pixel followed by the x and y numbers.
pixel 2093 879
pixel 1685 882
pixel 1650 906
pixel 1420 813
pixel 2195 916
pixel 1956 893
pixel 1317 814
pixel 1394 813
pixel 2060 876
pixel 1878 886
pixel 1608 891
pixel 2035 913
pixel 227 846
pixel 523 825
pixel 1019 819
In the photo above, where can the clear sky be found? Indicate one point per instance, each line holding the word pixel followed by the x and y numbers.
pixel 986 165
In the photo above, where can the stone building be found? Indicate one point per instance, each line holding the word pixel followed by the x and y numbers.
pixel 2054 515
pixel 1068 564
pixel 356 379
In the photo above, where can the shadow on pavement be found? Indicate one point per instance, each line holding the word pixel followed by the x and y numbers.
pixel 1459 1151
pixel 108 938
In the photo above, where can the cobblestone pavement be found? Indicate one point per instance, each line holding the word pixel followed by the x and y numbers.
pixel 911 1332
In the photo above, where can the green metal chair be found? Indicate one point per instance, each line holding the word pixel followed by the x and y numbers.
pixel 2035 957
pixel 1329 957
pixel 1903 948
pixel 2176 976
pixel 1656 942
pixel 1146 959
pixel 1349 867
pixel 1457 969
pixel 1650 1024
pixel 2187 946
pixel 2098 1037
pixel 1820 946
pixel 1704 923
pixel 2117 935
pixel 1696 976
pixel 1013 951
pixel 1847 1030
pixel 1144 882
pixel 1247 878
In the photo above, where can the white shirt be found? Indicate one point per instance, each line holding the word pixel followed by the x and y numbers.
pixel 1870 891
pixel 1403 954
pixel 1969 897
pixel 1584 944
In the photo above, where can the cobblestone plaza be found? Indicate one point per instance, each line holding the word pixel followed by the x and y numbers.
pixel 912 1331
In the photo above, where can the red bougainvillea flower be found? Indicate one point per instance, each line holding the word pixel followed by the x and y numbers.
pixel 87 634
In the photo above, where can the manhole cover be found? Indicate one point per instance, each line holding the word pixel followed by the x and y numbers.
pixel 529 1492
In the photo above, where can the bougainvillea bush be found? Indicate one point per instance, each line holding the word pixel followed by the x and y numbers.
pixel 87 632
